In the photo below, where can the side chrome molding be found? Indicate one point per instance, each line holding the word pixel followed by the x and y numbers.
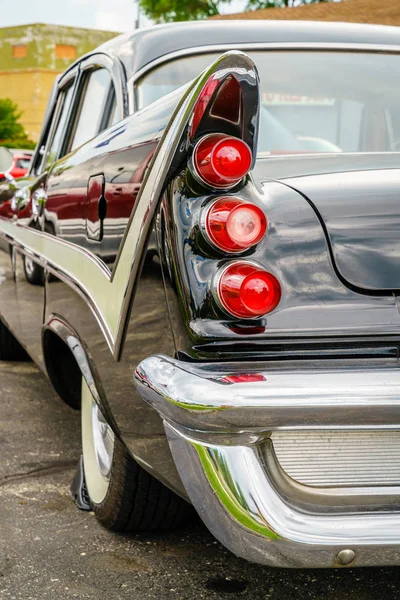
pixel 64 331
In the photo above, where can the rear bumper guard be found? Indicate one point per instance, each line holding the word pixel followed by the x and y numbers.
pixel 218 416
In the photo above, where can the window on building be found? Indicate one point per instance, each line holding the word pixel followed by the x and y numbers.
pixel 20 51
pixel 65 51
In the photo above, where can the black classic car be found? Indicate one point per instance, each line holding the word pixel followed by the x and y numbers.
pixel 205 258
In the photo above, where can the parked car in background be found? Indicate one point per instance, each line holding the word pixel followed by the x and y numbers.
pixel 204 259
pixel 21 162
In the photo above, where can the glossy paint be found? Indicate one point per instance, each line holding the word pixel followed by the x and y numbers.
pixel 315 304
pixel 146 46
pixel 360 214
pixel 91 193
pixel 90 281
pixel 129 273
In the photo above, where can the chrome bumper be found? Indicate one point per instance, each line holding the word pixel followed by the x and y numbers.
pixel 219 420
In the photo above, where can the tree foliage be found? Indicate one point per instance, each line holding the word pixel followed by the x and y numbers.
pixel 258 4
pixel 12 132
pixel 165 11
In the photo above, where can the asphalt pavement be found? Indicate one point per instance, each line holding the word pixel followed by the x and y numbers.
pixel 49 550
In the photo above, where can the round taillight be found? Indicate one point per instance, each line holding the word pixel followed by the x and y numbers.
pixel 221 161
pixel 233 225
pixel 246 290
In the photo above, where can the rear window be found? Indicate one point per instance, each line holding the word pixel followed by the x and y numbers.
pixel 312 101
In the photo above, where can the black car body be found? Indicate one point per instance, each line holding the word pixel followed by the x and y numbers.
pixel 279 426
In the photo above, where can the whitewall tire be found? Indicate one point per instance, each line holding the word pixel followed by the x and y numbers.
pixel 98 447
pixel 123 496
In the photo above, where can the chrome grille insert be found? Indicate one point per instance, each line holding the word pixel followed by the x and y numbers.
pixel 339 458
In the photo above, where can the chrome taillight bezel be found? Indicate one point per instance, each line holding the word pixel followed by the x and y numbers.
pixel 203 219
pixel 215 287
pixel 194 170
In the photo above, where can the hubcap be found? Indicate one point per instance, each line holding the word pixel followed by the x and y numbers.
pixel 29 265
pixel 103 440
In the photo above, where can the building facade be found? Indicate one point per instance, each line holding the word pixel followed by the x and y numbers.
pixel 31 56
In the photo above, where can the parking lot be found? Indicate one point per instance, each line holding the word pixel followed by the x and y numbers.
pixel 50 550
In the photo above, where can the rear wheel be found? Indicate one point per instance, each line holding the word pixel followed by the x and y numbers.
pixel 10 348
pixel 34 273
pixel 123 496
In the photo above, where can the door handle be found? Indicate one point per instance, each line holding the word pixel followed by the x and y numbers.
pixel 96 208
pixel 39 199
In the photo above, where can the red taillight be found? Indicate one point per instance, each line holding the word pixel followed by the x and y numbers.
pixel 246 290
pixel 202 102
pixel 221 161
pixel 234 225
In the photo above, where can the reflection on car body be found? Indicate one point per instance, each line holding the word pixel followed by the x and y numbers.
pixel 204 259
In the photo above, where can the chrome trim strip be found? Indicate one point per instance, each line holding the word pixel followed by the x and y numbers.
pixel 66 261
pixel 217 278
pixel 65 332
pixel 193 168
pixel 215 430
pixel 204 212
pixel 56 325
pixel 109 296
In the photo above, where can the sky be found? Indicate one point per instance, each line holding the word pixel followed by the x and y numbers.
pixel 110 15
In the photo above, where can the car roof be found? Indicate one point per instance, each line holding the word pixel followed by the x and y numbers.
pixel 138 49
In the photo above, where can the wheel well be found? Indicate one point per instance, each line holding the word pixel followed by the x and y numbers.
pixel 62 368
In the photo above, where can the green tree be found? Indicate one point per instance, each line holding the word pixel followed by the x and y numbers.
pixel 258 4
pixel 165 11
pixel 12 132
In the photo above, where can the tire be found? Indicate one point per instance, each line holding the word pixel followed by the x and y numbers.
pixel 123 496
pixel 34 273
pixel 10 348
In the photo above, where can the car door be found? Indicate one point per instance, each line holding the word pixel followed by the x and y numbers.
pixel 91 193
pixel 98 105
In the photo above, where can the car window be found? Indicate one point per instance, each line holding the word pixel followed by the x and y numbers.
pixel 311 101
pixel 168 77
pixel 115 116
pixel 23 163
pixel 61 113
pixel 97 89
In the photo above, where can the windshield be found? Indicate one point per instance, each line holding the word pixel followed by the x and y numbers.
pixel 312 101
